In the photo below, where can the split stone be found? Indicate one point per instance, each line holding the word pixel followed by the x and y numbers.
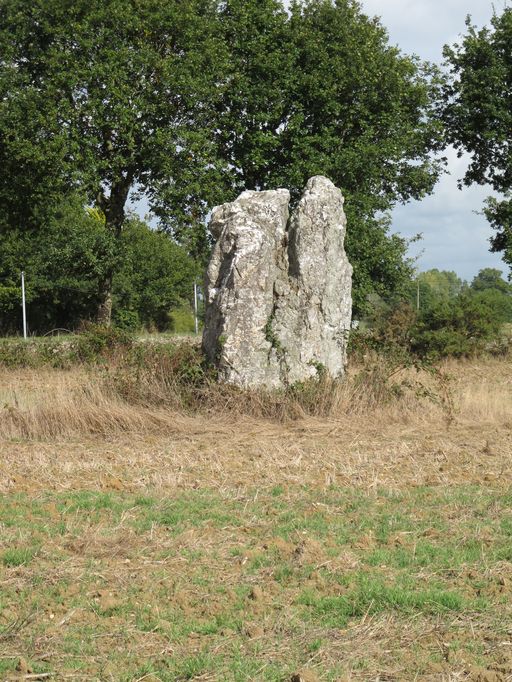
pixel 278 288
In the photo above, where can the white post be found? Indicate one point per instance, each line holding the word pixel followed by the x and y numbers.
pixel 23 305
pixel 196 325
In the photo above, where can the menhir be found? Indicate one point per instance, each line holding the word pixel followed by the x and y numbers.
pixel 278 288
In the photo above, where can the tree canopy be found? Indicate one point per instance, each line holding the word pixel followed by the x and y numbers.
pixel 188 102
pixel 477 112
pixel 323 92
pixel 65 263
pixel 110 96
pixel 491 278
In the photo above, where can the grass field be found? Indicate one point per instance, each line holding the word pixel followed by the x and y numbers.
pixel 139 542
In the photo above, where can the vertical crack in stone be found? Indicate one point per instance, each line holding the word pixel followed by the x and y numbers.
pixel 278 303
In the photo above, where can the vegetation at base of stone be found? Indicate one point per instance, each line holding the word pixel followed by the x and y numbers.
pixel 120 370
pixel 476 109
pixel 260 98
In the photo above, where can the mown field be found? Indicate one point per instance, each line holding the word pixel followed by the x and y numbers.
pixel 143 542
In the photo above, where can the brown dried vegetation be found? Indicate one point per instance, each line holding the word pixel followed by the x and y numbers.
pixel 360 531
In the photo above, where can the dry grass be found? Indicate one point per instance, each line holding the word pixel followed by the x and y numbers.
pixel 67 429
pixel 52 404
pixel 144 537
pixel 49 404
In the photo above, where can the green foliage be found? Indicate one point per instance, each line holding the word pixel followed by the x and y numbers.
pixel 433 285
pixel 10 307
pixel 154 276
pixel 188 102
pixel 181 320
pixel 99 342
pixel 477 111
pixel 454 320
pixel 66 262
pixel 459 327
pixel 63 262
pixel 443 284
pixel 106 97
pixel 127 320
pixel 271 336
pixel 491 278
pixel 497 303
pixel 18 556
pixel 338 100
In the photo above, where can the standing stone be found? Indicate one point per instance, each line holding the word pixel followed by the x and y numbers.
pixel 313 321
pixel 278 304
pixel 240 286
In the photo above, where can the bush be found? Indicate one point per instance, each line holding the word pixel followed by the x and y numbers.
pixel 461 327
pixel 390 335
pixel 10 308
pixel 96 342
pixel 127 320
pixel 181 321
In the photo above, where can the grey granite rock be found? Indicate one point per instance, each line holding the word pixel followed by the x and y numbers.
pixel 278 289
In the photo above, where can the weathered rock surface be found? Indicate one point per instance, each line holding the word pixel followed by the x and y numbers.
pixel 278 288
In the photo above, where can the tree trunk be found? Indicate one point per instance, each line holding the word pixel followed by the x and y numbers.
pixel 113 208
pixel 104 312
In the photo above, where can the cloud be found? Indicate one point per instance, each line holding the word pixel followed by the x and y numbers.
pixel 424 26
pixel 455 234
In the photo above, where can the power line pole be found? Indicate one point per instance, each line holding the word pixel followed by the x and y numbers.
pixel 23 305
pixel 417 294
pixel 196 323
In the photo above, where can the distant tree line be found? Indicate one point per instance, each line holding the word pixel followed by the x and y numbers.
pixel 442 316
pixel 457 318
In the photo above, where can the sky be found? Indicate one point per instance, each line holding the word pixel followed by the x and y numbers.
pixel 455 237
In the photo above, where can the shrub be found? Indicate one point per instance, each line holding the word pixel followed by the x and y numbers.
pixel 97 342
pixel 10 302
pixel 181 321
pixel 461 327
pixel 127 320
pixel 15 353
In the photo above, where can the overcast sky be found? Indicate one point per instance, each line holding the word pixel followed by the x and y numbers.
pixel 454 236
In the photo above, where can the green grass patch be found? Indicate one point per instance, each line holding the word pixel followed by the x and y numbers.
pixel 250 586
pixel 18 556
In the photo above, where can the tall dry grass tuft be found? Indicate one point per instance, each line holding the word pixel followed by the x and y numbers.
pixel 159 391
pixel 54 404
pixel 483 390
pixel 46 405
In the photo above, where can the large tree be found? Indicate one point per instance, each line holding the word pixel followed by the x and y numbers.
pixel 65 263
pixel 191 101
pixel 477 112
pixel 321 91
pixel 108 97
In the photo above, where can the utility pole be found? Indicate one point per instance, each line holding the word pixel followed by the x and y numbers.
pixel 196 323
pixel 417 294
pixel 23 305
